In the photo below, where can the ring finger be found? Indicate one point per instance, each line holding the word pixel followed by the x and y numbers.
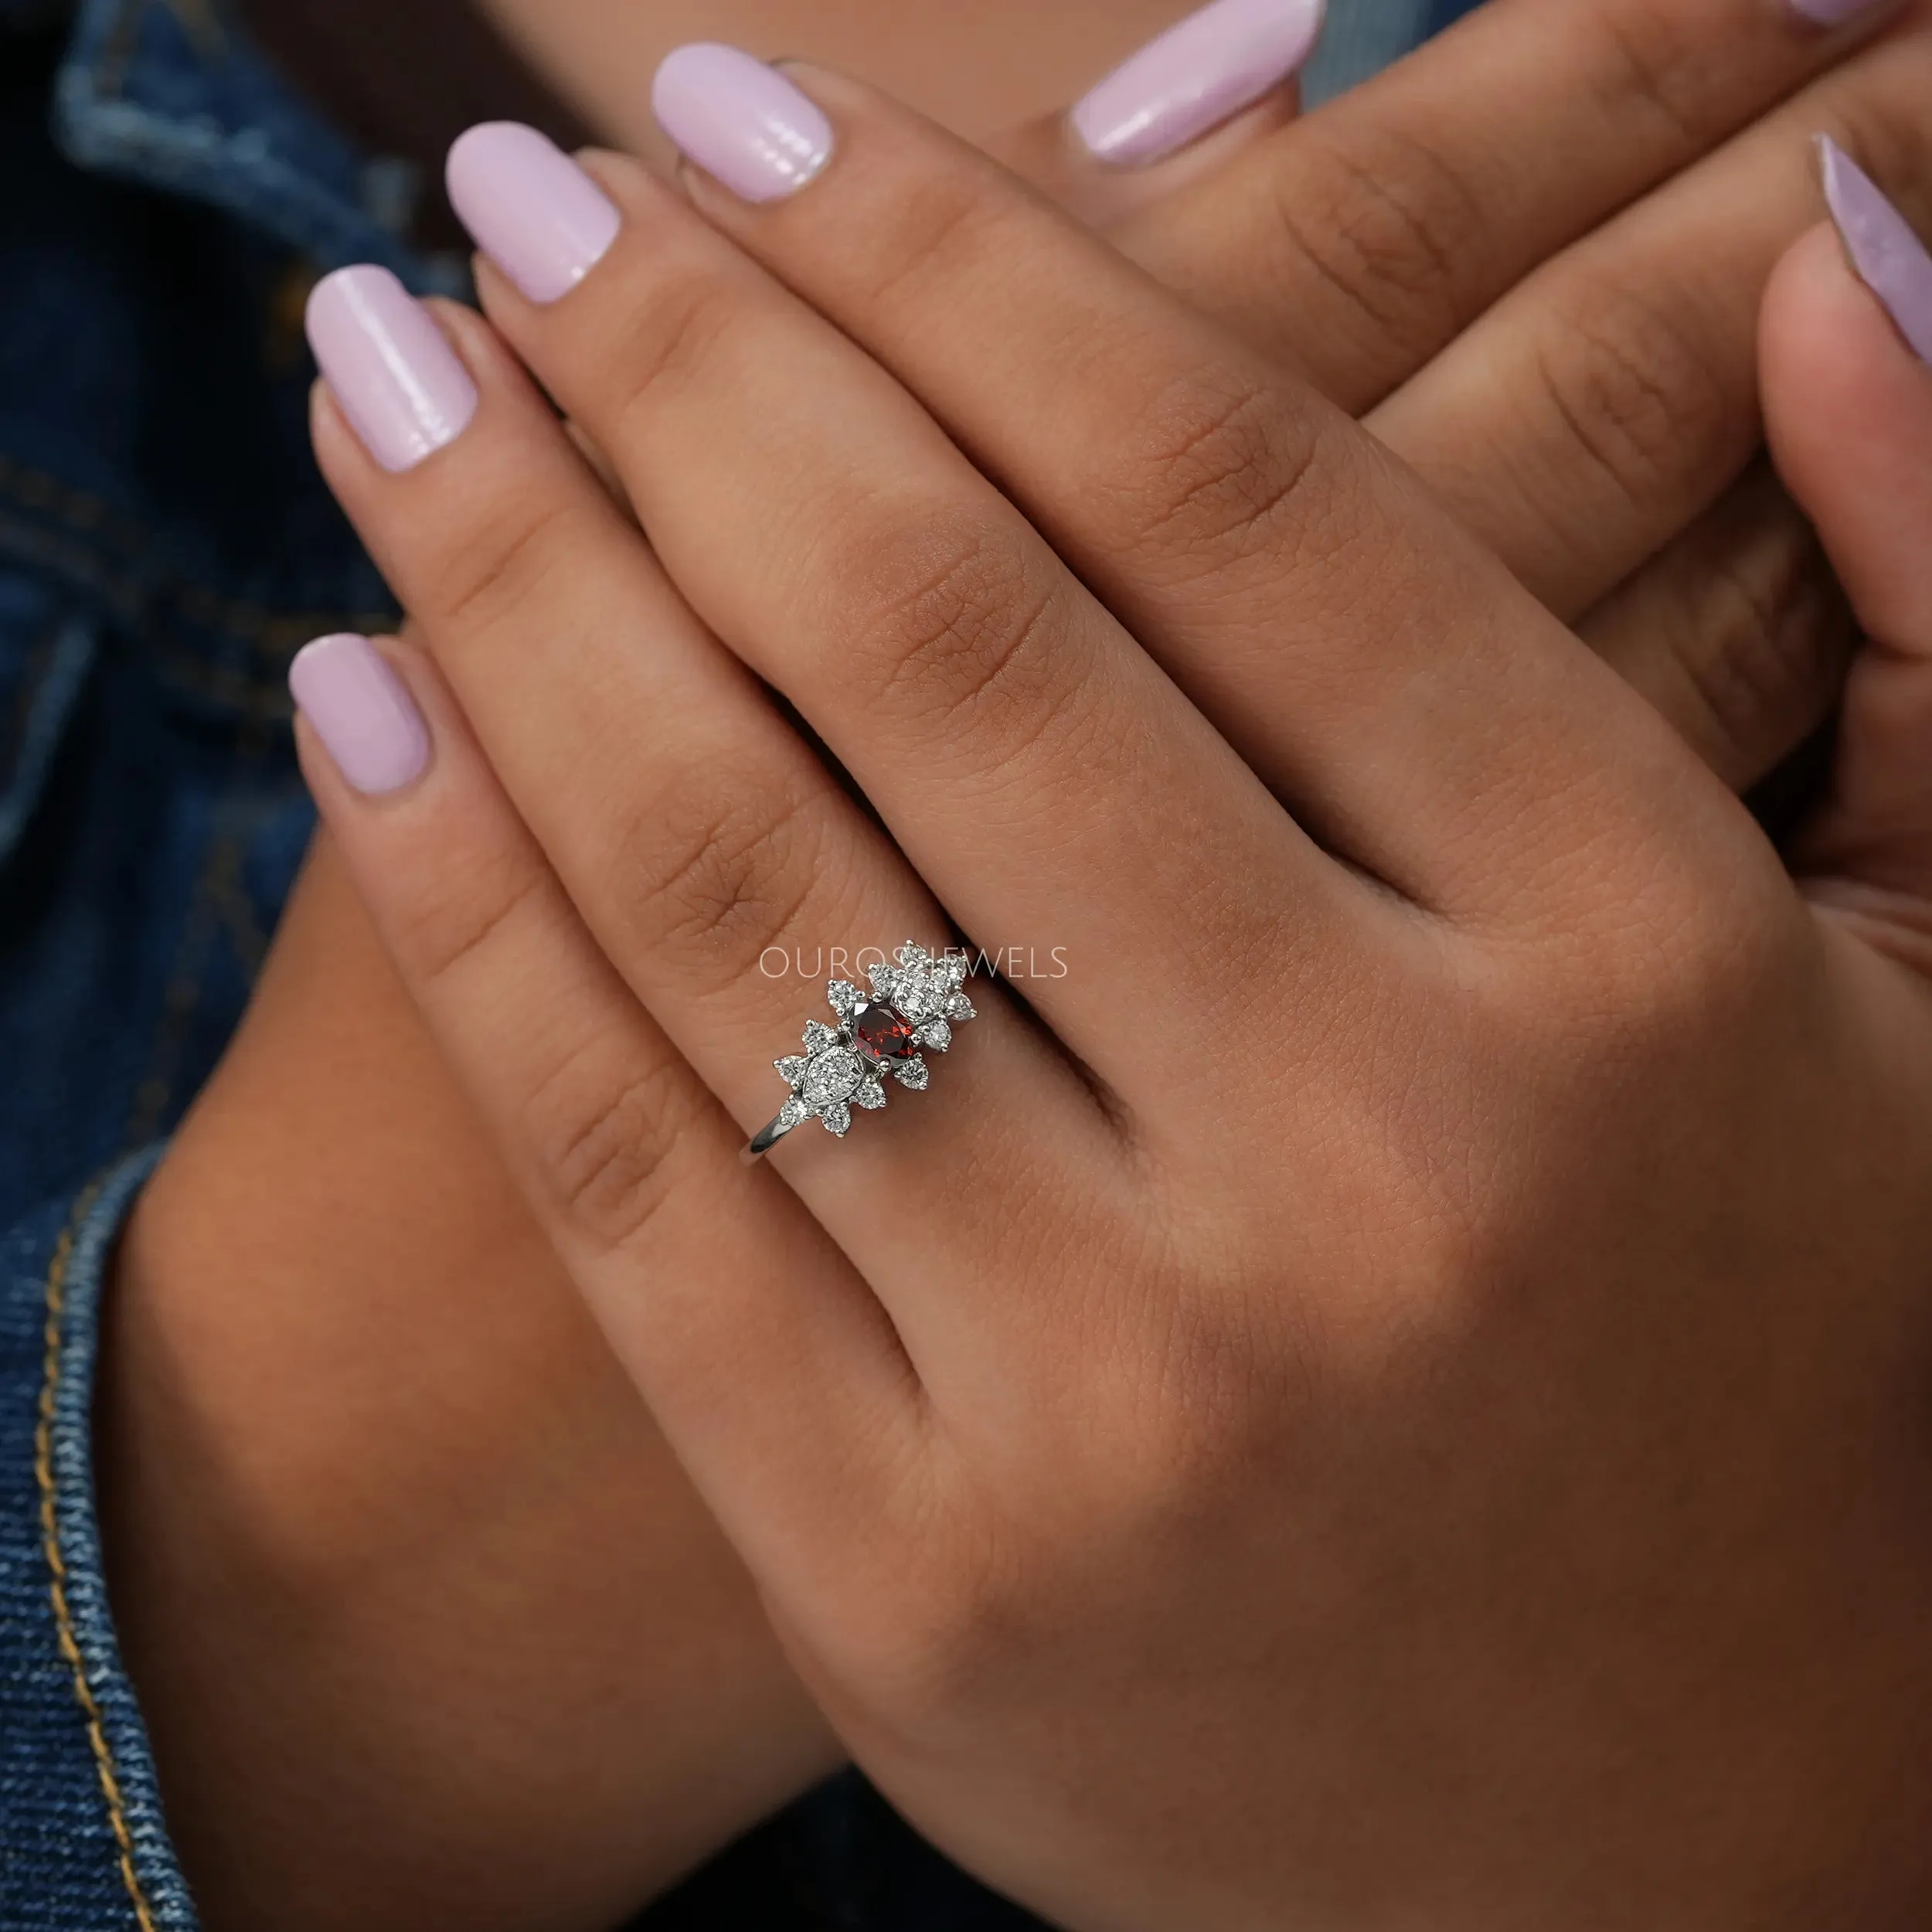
pixel 689 823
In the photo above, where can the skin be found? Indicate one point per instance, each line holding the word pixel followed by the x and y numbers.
pixel 1422 1335
pixel 331 1094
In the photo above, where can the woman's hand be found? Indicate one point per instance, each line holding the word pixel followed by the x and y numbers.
pixel 283 1337
pixel 1392 1391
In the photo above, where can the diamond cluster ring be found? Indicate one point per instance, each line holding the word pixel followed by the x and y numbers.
pixel 914 1004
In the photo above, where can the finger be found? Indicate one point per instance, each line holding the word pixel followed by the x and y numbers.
pixel 1359 242
pixel 1739 632
pixel 1612 397
pixel 698 837
pixel 1175 112
pixel 995 715
pixel 1370 664
pixel 1050 155
pixel 1848 399
pixel 629 1164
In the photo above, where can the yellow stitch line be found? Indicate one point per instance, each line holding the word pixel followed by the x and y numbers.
pixel 55 1304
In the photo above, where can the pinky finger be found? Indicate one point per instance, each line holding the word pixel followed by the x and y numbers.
pixel 760 1351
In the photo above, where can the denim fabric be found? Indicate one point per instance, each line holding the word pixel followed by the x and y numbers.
pixel 165 544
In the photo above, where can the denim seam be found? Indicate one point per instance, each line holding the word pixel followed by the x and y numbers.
pixel 275 634
pixel 100 125
pixel 105 1769
pixel 52 690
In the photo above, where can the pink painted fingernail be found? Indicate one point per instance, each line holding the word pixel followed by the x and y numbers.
pixel 1889 258
pixel 397 381
pixel 743 123
pixel 1202 71
pixel 533 211
pixel 1832 13
pixel 362 713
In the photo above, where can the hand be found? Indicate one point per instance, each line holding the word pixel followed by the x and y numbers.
pixel 1395 1392
pixel 330 1095
pixel 429 1630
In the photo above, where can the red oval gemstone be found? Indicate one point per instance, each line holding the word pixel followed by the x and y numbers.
pixel 882 1034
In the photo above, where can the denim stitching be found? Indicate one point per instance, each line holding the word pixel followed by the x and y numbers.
pixel 233 168
pixel 276 635
pixel 55 1304
pixel 53 686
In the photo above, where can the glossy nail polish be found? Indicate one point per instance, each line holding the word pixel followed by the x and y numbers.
pixel 532 210
pixel 1202 71
pixel 743 123
pixel 1832 13
pixel 362 713
pixel 397 381
pixel 1889 258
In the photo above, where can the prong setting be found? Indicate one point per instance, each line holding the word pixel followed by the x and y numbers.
pixel 913 1005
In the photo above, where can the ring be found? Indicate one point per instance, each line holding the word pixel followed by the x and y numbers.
pixel 914 1004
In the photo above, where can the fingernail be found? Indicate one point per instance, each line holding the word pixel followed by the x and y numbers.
pixel 532 210
pixel 397 381
pixel 362 713
pixel 1202 71
pixel 1889 258
pixel 1832 13
pixel 743 123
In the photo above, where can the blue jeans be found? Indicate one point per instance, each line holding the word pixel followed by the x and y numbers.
pixel 165 545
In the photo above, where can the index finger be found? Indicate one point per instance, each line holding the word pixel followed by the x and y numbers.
pixel 1358 242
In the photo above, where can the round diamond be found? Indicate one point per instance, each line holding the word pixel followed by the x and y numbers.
pixel 833 1077
pixel 882 1034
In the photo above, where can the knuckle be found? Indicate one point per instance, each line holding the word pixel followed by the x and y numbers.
pixel 1389 223
pixel 1764 636
pixel 1654 62
pixel 944 226
pixel 602 1130
pixel 672 340
pixel 965 635
pixel 1213 466
pixel 463 918
pixel 1687 957
pixel 717 868
pixel 503 559
pixel 1636 390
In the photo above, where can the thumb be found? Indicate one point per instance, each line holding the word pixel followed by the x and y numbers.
pixel 1189 100
pixel 1846 337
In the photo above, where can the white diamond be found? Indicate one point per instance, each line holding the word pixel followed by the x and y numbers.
pixel 818 1035
pixel 912 955
pixel 959 1009
pixel 794 1111
pixel 833 1077
pixel 935 1034
pixel 952 970
pixel 871 1096
pixel 883 978
pixel 910 1073
pixel 838 1119
pixel 793 1070
pixel 845 998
